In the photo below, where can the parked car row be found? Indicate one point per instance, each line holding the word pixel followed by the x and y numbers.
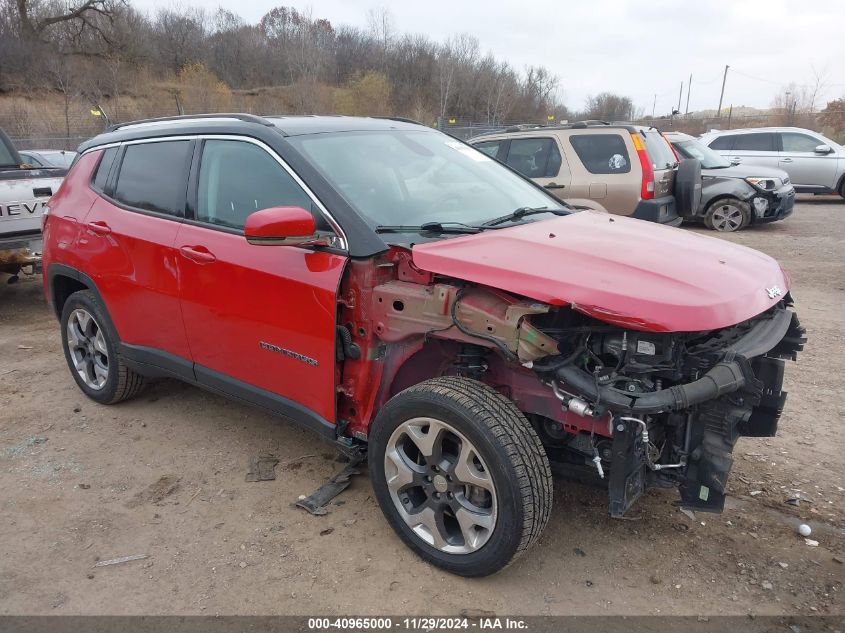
pixel 637 171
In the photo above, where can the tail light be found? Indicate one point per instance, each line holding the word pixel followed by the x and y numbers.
pixel 647 190
pixel 44 214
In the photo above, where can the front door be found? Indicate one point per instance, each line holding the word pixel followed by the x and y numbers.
pixel 805 167
pixel 260 319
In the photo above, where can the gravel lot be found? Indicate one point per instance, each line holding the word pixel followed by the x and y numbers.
pixel 163 475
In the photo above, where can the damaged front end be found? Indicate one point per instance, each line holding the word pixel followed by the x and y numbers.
pixel 671 406
pixel 628 408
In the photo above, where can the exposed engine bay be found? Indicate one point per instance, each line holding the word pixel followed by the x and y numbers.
pixel 626 408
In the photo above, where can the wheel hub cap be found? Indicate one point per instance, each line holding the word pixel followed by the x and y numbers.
pixel 727 218
pixel 440 486
pixel 87 346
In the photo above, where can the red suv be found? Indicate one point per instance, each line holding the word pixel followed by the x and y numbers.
pixel 399 292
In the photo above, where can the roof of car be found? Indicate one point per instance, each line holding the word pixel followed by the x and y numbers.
pixel 576 125
pixel 233 123
pixel 746 130
pixel 678 136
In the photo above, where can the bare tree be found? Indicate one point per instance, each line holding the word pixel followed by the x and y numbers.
pixel 36 18
pixel 608 106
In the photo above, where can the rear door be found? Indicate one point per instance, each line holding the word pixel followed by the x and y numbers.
pixel 806 168
pixel 260 319
pixel 127 244
pixel 602 170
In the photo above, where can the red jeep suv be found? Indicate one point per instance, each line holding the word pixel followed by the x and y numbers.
pixel 399 292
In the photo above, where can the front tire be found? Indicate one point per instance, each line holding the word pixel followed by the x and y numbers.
pixel 460 475
pixel 727 215
pixel 91 351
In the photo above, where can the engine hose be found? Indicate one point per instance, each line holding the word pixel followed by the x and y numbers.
pixel 724 377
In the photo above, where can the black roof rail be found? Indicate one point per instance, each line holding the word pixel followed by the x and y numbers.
pixel 401 119
pixel 248 118
pixel 589 123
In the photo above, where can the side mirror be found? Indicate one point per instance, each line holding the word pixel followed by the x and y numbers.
pixel 288 226
pixel 823 149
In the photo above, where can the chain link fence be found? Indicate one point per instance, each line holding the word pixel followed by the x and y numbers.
pixel 51 123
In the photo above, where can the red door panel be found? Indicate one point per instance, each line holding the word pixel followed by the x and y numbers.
pixel 264 315
pixel 131 258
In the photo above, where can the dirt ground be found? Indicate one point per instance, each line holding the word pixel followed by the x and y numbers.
pixel 163 475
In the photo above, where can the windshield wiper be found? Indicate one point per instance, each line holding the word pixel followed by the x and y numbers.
pixel 429 227
pixel 522 212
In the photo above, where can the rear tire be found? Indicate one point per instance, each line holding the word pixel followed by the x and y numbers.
pixel 727 215
pixel 842 188
pixel 460 475
pixel 91 351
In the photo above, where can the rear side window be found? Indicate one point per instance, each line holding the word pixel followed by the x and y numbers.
pixel 238 178
pixel 761 142
pixel 723 142
pixel 602 153
pixel 794 142
pixel 534 157
pixel 491 148
pixel 103 168
pixel 153 176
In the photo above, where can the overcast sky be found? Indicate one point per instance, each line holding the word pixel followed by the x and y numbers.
pixel 635 48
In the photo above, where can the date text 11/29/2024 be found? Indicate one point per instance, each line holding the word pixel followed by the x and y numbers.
pixel 416 623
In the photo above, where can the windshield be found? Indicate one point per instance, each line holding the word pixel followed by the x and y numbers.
pixel 416 177
pixel 694 149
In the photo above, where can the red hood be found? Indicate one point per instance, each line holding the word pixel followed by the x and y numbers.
pixel 628 272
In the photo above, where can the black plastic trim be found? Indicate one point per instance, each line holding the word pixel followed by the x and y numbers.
pixel 263 399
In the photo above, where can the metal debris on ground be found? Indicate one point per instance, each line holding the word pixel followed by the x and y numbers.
pixel 797 499
pixel 316 502
pixel 688 513
pixel 262 468
pixel 122 559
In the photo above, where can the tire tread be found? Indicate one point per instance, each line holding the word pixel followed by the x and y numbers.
pixel 517 437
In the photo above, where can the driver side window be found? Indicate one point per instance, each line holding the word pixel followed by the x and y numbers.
pixel 237 178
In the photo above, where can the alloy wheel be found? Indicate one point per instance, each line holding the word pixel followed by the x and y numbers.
pixel 440 485
pixel 88 350
pixel 727 217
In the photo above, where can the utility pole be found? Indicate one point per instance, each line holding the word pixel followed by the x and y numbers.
pixel 689 87
pixel 680 94
pixel 722 96
pixel 654 106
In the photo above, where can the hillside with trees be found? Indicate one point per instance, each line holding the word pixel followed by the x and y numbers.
pixel 105 52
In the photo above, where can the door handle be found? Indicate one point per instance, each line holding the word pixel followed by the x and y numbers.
pixel 100 228
pixel 786 160
pixel 554 185
pixel 198 254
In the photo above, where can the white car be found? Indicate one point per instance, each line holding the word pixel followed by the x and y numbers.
pixel 59 158
pixel 815 164
pixel 23 197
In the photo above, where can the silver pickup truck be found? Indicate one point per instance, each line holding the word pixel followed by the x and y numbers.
pixel 24 191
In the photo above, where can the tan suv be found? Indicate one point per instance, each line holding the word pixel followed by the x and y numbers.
pixel 616 167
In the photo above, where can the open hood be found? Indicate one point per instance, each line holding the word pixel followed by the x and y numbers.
pixel 627 272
